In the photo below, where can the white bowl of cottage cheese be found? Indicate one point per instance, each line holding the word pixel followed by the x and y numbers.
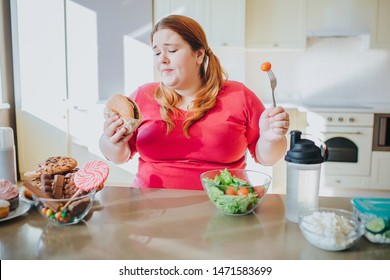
pixel 330 229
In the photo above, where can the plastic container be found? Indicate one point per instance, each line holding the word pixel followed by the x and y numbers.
pixel 7 155
pixel 303 161
pixel 374 214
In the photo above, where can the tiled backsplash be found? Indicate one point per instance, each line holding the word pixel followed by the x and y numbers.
pixel 331 70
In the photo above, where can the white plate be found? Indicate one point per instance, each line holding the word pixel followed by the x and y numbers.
pixel 22 208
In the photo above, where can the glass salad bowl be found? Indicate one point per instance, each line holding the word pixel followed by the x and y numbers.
pixel 65 211
pixel 330 229
pixel 235 191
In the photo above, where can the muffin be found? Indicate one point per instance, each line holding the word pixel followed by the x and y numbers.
pixel 9 192
pixel 4 208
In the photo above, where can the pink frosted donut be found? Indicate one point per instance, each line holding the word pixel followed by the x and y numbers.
pixel 91 175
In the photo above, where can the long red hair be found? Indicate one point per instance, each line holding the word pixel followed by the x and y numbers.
pixel 211 73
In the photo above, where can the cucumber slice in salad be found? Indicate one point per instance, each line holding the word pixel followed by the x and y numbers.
pixel 376 225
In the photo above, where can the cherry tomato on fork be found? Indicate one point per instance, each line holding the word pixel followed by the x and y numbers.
pixel 266 66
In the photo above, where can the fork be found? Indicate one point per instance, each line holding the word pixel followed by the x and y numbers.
pixel 273 82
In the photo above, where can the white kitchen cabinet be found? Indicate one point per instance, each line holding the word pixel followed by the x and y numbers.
pixel 275 24
pixel 380 31
pixel 190 8
pixel 222 20
pixel 69 57
pixel 39 63
pixel 82 74
pixel 380 175
pixel 38 42
pixel 339 17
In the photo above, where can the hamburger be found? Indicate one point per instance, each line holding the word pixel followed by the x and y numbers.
pixel 127 110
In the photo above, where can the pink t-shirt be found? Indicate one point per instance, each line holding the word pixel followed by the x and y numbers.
pixel 219 140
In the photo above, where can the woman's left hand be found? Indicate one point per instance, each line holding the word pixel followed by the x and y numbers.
pixel 274 124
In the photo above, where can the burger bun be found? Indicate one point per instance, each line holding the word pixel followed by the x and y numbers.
pixel 126 109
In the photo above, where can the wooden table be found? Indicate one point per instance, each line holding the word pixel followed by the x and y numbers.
pixel 127 223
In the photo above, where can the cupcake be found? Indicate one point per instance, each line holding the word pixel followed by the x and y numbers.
pixel 4 208
pixel 9 192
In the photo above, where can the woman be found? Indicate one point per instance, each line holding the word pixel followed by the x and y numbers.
pixel 194 119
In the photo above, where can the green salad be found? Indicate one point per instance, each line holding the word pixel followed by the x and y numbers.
pixel 232 195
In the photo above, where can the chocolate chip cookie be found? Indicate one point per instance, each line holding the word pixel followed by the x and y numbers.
pixel 57 165
pixel 53 166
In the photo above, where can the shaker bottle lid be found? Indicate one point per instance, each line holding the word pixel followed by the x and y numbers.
pixel 6 137
pixel 303 151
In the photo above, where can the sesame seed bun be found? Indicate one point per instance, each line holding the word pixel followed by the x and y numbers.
pixel 127 110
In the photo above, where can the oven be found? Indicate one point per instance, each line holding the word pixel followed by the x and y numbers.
pixel 348 137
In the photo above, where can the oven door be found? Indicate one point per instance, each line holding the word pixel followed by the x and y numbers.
pixel 349 150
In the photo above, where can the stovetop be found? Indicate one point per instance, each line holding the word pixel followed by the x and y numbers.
pixel 329 107
pixel 351 107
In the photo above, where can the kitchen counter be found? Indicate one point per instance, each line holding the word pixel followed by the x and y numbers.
pixel 127 223
pixel 370 108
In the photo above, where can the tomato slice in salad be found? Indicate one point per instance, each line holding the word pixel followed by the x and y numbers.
pixel 259 191
pixel 230 191
pixel 243 191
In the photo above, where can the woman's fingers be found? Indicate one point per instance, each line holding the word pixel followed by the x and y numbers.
pixel 111 125
pixel 283 123
pixel 126 138
pixel 109 121
pixel 118 135
pixel 279 122
pixel 275 111
pixel 113 130
pixel 280 130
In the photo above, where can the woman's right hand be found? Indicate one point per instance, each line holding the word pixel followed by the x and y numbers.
pixel 113 144
pixel 113 131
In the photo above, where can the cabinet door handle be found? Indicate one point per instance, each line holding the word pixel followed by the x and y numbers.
pixel 382 131
pixel 77 108
pixel 342 132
